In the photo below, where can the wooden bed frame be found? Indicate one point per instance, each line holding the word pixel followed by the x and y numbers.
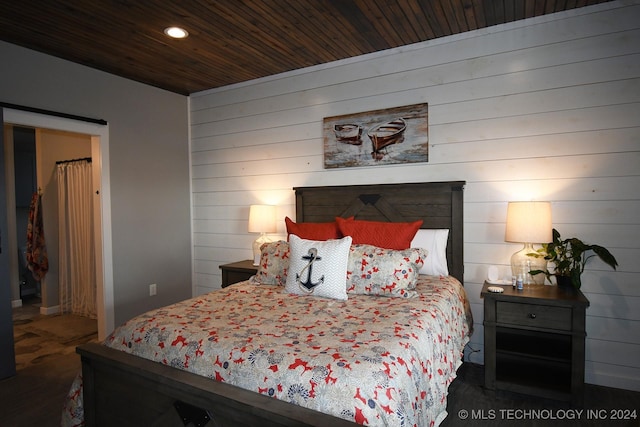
pixel 437 204
pixel 152 394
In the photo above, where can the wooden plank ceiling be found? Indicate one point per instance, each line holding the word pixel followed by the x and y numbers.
pixel 233 41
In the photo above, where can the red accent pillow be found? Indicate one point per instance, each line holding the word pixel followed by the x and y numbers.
pixel 388 235
pixel 313 230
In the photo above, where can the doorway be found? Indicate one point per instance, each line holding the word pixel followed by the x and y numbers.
pixel 39 154
pixel 99 137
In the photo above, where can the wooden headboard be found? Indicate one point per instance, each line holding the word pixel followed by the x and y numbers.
pixel 438 204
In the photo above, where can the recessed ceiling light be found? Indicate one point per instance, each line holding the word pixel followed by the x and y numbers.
pixel 176 32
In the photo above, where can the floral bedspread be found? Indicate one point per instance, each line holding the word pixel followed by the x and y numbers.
pixel 373 360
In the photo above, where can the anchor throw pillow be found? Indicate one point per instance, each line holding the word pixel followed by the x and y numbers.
pixel 318 268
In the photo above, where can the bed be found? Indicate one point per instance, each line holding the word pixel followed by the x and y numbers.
pixel 253 354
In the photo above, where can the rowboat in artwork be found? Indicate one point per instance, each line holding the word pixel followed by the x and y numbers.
pixel 386 134
pixel 348 133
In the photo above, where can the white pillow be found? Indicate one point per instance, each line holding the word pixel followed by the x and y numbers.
pixel 318 268
pixel 435 242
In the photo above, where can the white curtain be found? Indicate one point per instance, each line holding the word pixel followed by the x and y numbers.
pixel 76 264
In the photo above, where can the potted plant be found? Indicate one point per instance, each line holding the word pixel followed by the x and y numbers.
pixel 570 257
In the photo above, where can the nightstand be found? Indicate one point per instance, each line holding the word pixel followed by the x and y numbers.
pixel 534 341
pixel 237 272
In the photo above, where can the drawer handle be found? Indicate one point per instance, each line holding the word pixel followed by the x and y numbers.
pixel 532 315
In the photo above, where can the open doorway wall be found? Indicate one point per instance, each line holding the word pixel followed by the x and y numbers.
pixel 36 153
pixel 98 136
pixel 146 182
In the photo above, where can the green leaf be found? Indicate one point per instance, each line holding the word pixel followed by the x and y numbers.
pixel 571 255
pixel 575 279
pixel 605 256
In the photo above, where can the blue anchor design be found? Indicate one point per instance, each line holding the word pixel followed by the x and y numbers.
pixel 309 286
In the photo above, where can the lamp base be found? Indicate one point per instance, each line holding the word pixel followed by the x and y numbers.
pixel 256 247
pixel 522 263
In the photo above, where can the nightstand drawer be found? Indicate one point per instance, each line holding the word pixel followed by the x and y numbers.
pixel 532 315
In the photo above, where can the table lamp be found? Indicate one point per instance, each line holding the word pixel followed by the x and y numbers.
pixel 528 223
pixel 262 219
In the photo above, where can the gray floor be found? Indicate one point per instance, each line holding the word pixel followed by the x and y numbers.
pixel 469 404
pixel 47 365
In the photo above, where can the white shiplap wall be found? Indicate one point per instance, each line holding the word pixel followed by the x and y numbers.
pixel 543 109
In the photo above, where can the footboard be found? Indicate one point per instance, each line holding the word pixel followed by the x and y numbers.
pixel 125 390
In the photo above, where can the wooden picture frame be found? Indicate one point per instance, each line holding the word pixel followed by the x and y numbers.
pixel 379 137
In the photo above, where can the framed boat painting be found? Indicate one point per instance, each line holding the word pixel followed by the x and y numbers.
pixel 380 137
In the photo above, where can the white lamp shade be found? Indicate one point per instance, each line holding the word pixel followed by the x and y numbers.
pixel 262 219
pixel 528 222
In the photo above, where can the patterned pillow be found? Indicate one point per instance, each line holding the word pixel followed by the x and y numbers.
pixel 378 271
pixel 274 263
pixel 389 235
pixel 318 268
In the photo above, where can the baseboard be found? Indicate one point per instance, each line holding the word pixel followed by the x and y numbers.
pixel 55 309
pixel 622 377
pixel 16 303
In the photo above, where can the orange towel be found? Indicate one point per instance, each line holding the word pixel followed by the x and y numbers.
pixel 37 260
